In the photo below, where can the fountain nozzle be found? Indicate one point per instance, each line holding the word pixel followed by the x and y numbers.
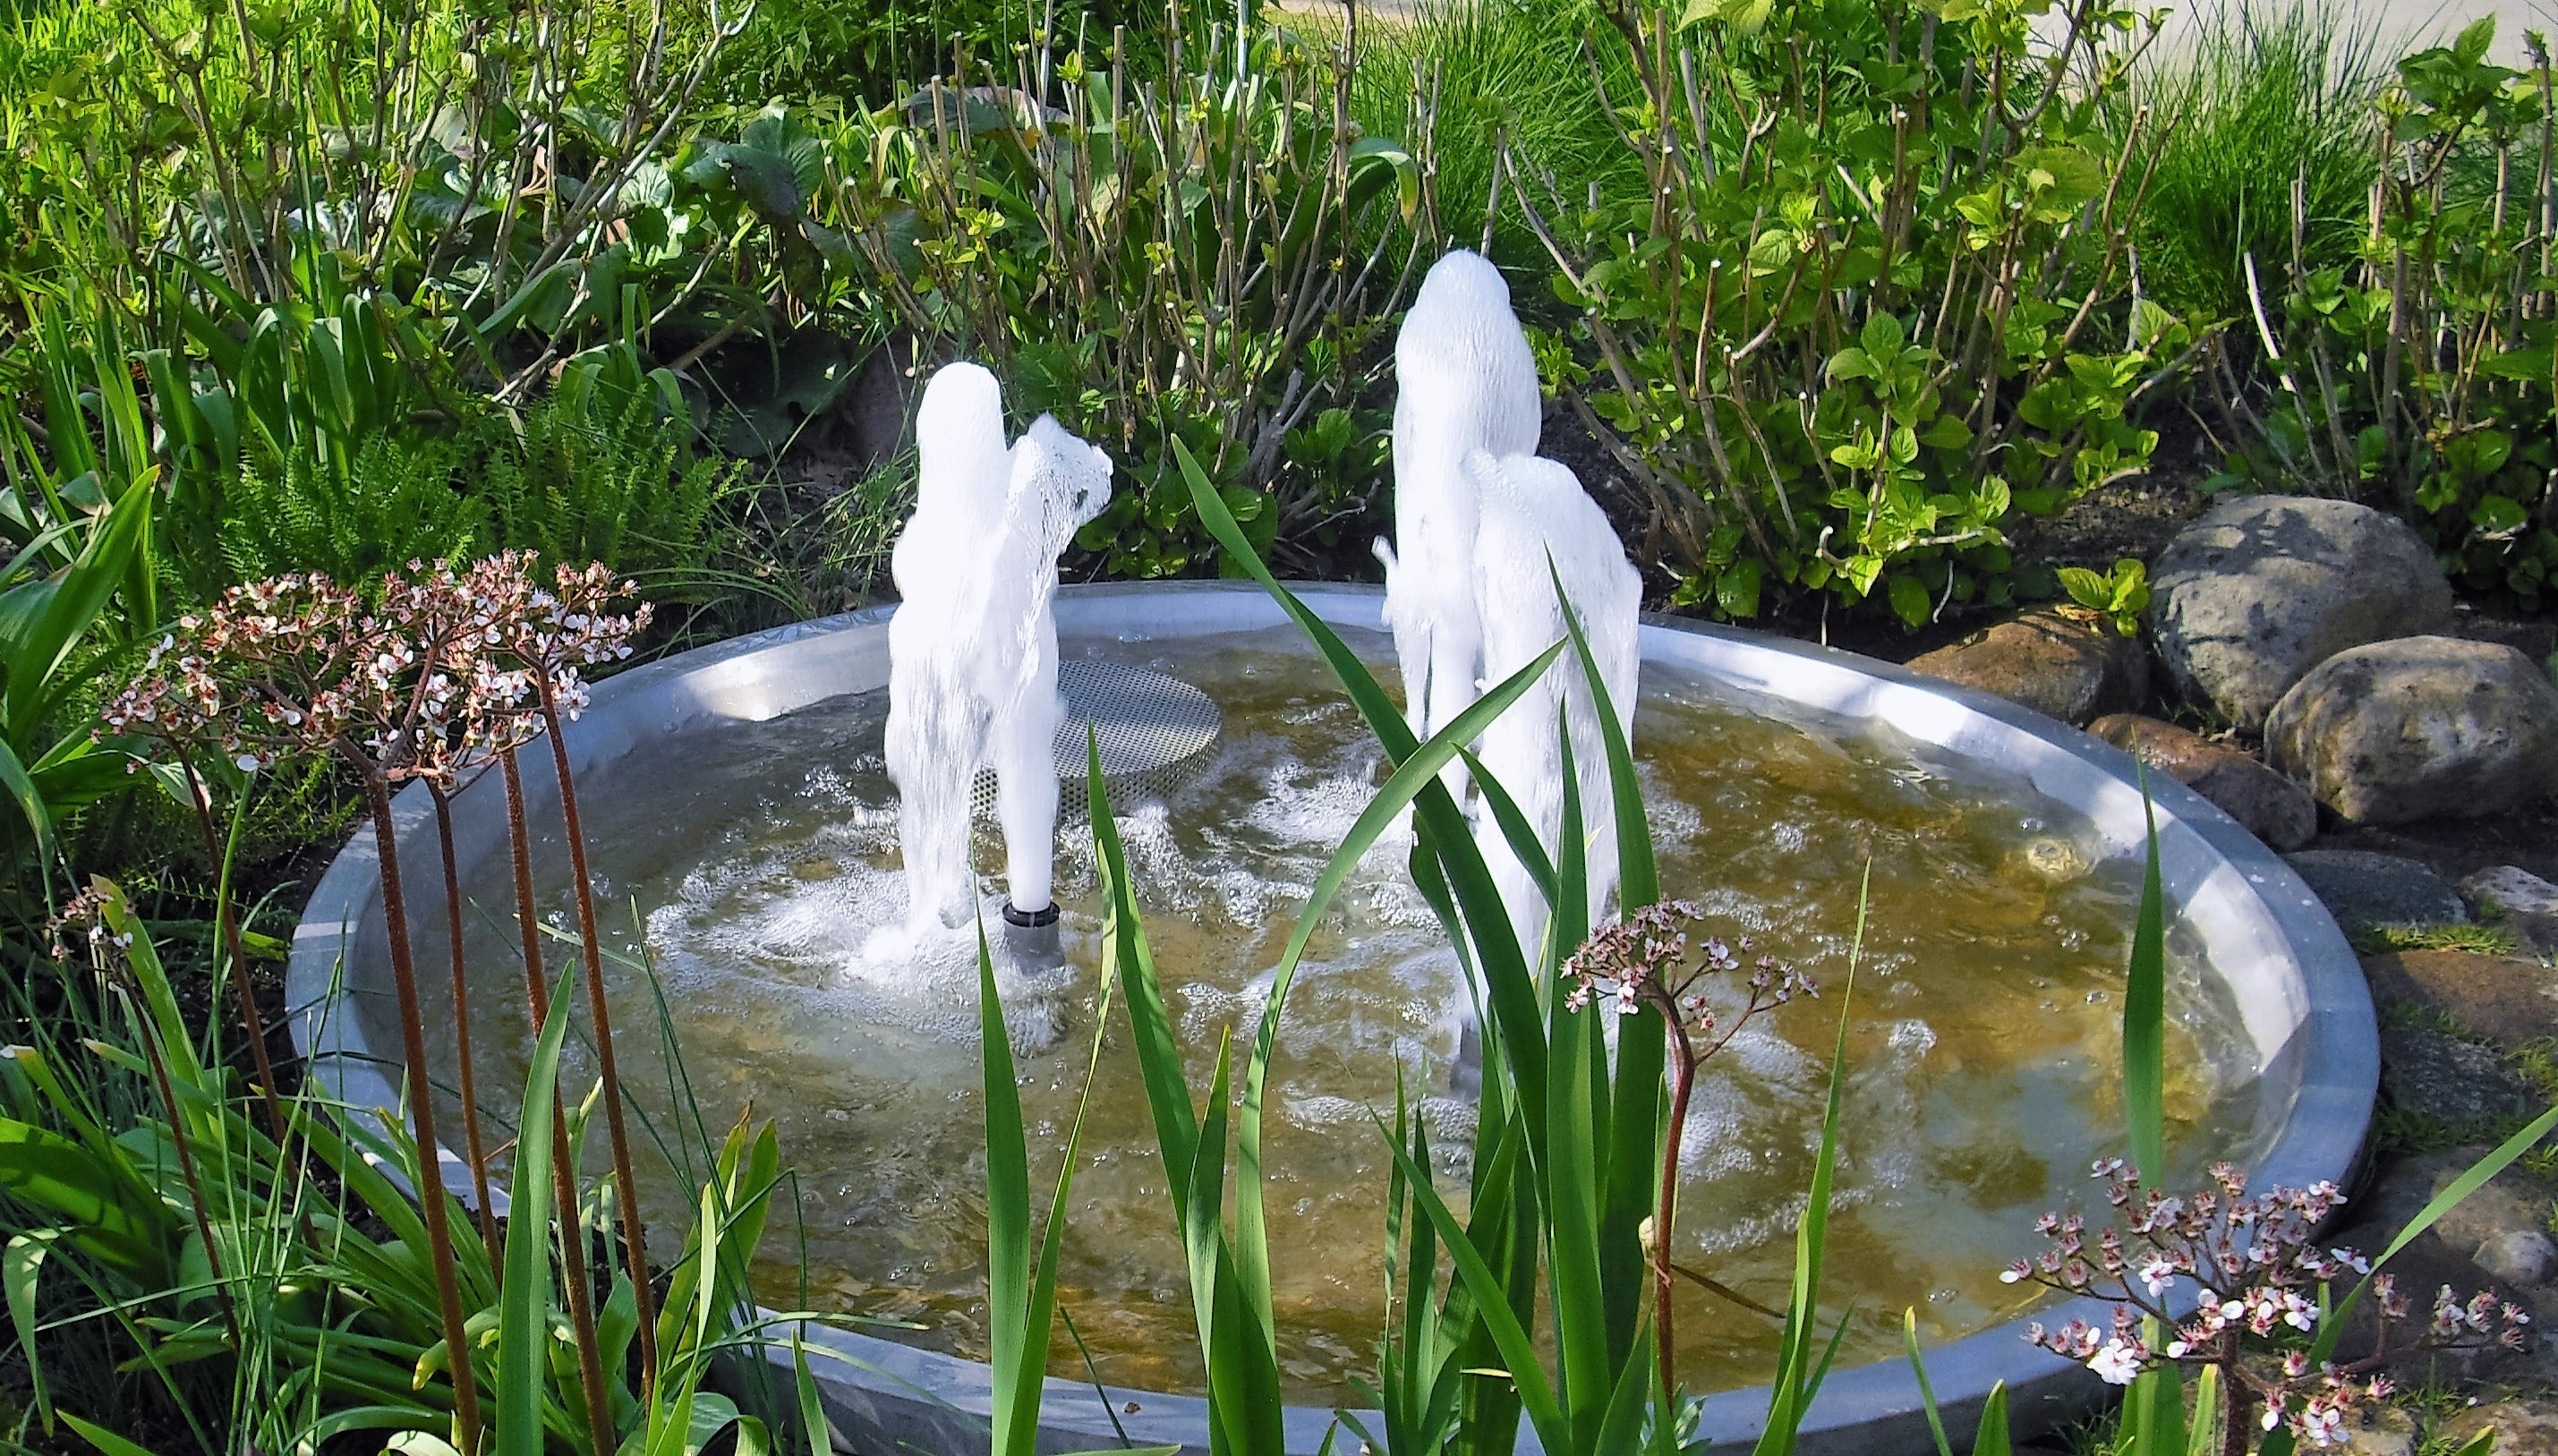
pixel 1030 935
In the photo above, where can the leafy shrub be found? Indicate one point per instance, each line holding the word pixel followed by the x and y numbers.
pixel 1211 257
pixel 806 50
pixel 1875 301
pixel 2424 377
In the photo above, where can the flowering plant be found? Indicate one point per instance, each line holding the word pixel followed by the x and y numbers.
pixel 2260 1278
pixel 1645 961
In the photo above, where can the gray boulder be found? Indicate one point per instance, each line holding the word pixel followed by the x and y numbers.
pixel 2271 806
pixel 2259 591
pixel 2060 668
pixel 2362 889
pixel 2424 727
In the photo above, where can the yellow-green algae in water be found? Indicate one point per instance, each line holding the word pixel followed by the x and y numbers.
pixel 751 865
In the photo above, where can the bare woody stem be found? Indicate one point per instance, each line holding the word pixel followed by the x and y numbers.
pixel 635 1237
pixel 226 933
pixel 537 995
pixel 469 1087
pixel 431 1195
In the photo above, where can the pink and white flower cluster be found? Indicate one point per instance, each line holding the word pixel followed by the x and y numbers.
pixel 449 669
pixel 1645 960
pixel 2257 1274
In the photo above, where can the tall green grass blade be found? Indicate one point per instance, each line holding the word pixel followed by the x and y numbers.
pixel 1008 1227
pixel 1416 773
pixel 2204 1438
pixel 1518 1351
pixel 1926 1390
pixel 21 1266
pixel 523 1321
pixel 104 1439
pixel 1507 982
pixel 1021 1295
pixel 1797 1373
pixel 812 1407
pixel 1576 1121
pixel 2145 1017
pixel 1243 1382
pixel 2154 1407
pixel 1991 1438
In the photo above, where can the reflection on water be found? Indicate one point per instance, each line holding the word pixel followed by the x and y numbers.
pixel 755 865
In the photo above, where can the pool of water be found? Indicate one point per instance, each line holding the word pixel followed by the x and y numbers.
pixel 750 869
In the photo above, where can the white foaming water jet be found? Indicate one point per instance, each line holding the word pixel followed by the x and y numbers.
pixel 972 649
pixel 1534 512
pixel 1468 592
pixel 1465 380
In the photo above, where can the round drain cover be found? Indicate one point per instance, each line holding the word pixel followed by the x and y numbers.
pixel 1153 730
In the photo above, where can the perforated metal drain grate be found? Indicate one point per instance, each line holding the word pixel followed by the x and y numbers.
pixel 1154 732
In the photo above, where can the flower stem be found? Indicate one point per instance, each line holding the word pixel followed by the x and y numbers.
pixel 462 1024
pixel 431 1194
pixel 1682 1083
pixel 635 1237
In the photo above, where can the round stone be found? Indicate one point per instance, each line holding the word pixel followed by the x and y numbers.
pixel 2518 1256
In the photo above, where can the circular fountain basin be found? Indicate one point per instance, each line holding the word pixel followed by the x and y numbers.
pixel 2255 941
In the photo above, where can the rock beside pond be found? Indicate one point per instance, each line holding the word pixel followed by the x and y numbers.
pixel 2514 1201
pixel 2381 1430
pixel 2518 1256
pixel 2524 1426
pixel 2503 998
pixel 2045 662
pixel 2269 805
pixel 2422 727
pixel 2362 889
pixel 2259 591
pixel 2431 1074
pixel 2505 890
pixel 2526 904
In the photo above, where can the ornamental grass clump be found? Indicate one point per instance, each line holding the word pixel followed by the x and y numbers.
pixel 2260 1286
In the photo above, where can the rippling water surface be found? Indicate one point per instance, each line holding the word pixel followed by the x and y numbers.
pixel 753 868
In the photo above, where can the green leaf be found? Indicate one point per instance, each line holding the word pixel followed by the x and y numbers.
pixel 2086 587
pixel 1991 1438
pixel 19 1268
pixel 1883 336
pixel 1736 590
pixel 2145 1015
pixel 1798 1371
pixel 1926 1391
pixel 1008 1228
pixel 524 1322
pixel 1909 599
pixel 2498 514
pixel 104 1439
pixel 2475 39
pixel 1946 432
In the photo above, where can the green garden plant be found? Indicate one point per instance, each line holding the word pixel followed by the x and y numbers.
pixel 1207 257
pixel 1875 301
pixel 2420 378
pixel 2250 100
pixel 1567 1145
